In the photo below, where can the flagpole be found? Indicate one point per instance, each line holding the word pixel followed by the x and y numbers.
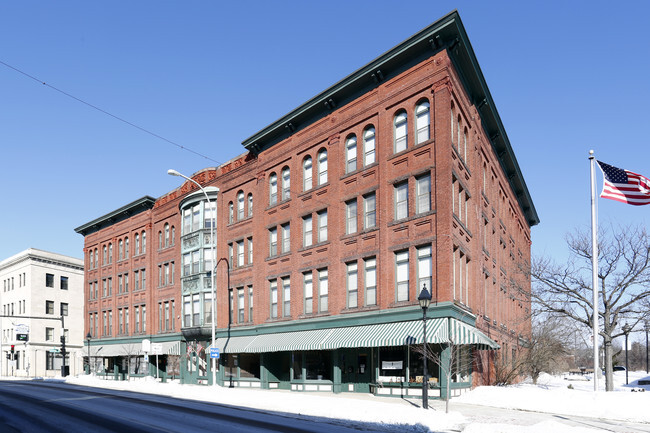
pixel 594 265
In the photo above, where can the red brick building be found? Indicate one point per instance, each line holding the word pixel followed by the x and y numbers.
pixel 398 177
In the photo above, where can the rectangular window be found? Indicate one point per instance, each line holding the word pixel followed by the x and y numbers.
pixel 322 226
pixel 370 280
pixel 144 318
pixel 49 334
pixel 423 194
pixel 322 290
pixel 286 297
pixel 187 221
pixel 120 285
pixel 240 305
pixel 64 309
pixel 369 211
pixel 167 324
pixel 273 242
pixel 460 275
pixel 351 282
pixel 126 283
pixel 110 322
pixel 250 251
pixel 250 303
pixel 351 217
pixel 424 267
pixel 402 275
pixel 274 298
pixel 64 283
pixel 49 307
pixel 143 274
pixel 307 231
pixel 137 319
pixel 120 321
pixel 240 253
pixel 401 200
pixel 196 309
pixel 196 220
pixel 49 280
pixel 286 238
pixel 309 292
pixel 196 262
pixel 110 287
pixel 207 308
pixel 187 263
pixel 187 311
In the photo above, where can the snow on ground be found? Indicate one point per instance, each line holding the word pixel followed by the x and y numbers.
pixel 552 394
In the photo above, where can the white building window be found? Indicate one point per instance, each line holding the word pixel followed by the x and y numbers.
pixel 322 226
pixel 322 167
pixel 308 287
pixel 322 290
pixel 273 189
pixel 307 174
pixel 402 275
pixel 369 211
pixel 274 298
pixel 286 184
pixel 240 205
pixel 423 193
pixel 425 267
pixel 401 200
pixel 286 238
pixel 351 216
pixel 286 297
pixel 307 231
pixel 352 284
pixel 422 122
pixel 369 146
pixel 370 280
pixel 351 154
pixel 273 242
pixel 400 132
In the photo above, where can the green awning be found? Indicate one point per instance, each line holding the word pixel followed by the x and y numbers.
pixel 464 334
pixel 441 330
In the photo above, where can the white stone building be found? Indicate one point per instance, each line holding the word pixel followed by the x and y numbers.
pixel 37 289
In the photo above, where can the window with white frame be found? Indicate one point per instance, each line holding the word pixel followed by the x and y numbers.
pixel 274 298
pixel 423 194
pixel 402 275
pixel 425 267
pixel 231 213
pixel 166 235
pixel 322 167
pixel 137 243
pixel 250 204
pixel 460 200
pixel 187 221
pixel 369 146
pixel 273 189
pixel 422 132
pixel 370 280
pixel 401 192
pixel 351 216
pixel 144 242
pixel 400 132
pixel 351 154
pixel 207 307
pixel 352 284
pixel 307 231
pixel 369 211
pixel 250 303
pixel 308 288
pixel 196 214
pixel 240 253
pixel 322 226
pixel 250 251
pixel 120 252
pixel 273 242
pixel 209 215
pixel 460 275
pixel 286 238
pixel 196 262
pixel 286 297
pixel 322 290
pixel 286 184
pixel 126 248
pixel 307 174
pixel 240 305
pixel 240 205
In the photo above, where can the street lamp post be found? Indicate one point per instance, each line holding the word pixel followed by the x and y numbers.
pixel 88 337
pixel 626 330
pixel 646 326
pixel 425 299
pixel 213 240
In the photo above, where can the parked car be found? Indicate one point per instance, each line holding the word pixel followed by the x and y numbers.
pixel 618 368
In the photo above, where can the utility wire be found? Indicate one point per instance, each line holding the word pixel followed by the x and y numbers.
pixel 109 114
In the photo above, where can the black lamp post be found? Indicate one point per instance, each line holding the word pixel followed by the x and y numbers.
pixel 626 331
pixel 646 326
pixel 88 337
pixel 425 299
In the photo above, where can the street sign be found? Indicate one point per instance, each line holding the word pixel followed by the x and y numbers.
pixel 214 352
pixel 22 337
pixel 22 329
pixel 146 345
pixel 156 349
pixel 55 350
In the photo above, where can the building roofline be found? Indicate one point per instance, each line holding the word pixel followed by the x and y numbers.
pixel 135 207
pixel 448 33
pixel 42 256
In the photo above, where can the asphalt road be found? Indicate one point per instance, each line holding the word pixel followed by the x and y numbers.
pixel 35 406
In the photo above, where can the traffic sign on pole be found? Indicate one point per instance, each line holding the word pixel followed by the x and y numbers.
pixel 214 352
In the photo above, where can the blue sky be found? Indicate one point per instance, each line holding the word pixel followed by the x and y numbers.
pixel 566 77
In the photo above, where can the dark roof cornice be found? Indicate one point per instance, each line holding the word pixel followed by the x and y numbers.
pixel 127 211
pixel 449 34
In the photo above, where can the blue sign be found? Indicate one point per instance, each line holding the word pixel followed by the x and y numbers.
pixel 214 352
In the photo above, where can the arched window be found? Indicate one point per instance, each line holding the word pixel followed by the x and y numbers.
pixel 90 259
pixel 351 154
pixel 250 204
pixel 465 144
pixel 306 174
pixel 121 250
pixel 96 258
pixel 104 256
pixel 286 183
pixel 110 253
pixel 369 146
pixel 240 205
pixel 400 132
pixel 166 235
pixel 171 240
pixel 273 189
pixel 322 167
pixel 160 239
pixel 451 128
pixel 137 244
pixel 144 242
pixel 458 136
pixel 422 132
pixel 231 212
pixel 126 248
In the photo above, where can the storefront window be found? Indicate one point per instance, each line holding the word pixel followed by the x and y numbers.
pixel 249 365
pixel 392 364
pixel 462 364
pixel 318 366
pixel 416 370
pixel 296 364
pixel 232 362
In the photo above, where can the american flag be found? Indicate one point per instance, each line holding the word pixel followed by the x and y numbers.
pixel 624 186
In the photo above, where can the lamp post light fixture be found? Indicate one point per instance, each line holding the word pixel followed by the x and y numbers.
pixel 425 299
pixel 626 330
pixel 213 241
pixel 88 337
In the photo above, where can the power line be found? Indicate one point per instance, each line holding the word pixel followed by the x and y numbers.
pixel 109 114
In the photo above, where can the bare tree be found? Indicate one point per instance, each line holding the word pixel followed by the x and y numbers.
pixel 547 348
pixel 623 283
